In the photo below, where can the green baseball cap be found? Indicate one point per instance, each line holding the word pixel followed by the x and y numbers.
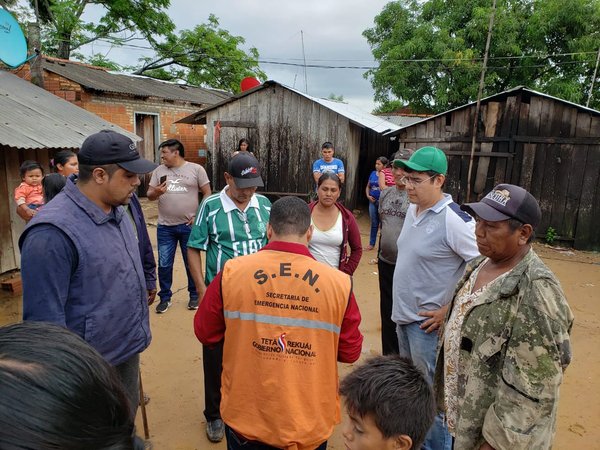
pixel 425 159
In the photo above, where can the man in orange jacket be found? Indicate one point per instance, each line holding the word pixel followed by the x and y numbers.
pixel 286 319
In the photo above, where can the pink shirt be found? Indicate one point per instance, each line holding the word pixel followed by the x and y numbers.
pixel 27 194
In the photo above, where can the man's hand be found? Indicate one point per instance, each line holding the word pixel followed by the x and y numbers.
pixel 201 289
pixel 191 221
pixel 486 446
pixel 151 296
pixel 156 191
pixel 371 198
pixel 436 319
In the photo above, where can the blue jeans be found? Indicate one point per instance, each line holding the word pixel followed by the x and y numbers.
pixel 374 215
pixel 168 236
pixel 235 442
pixel 421 348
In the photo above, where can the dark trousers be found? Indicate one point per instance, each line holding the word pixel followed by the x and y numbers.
pixel 129 374
pixel 389 338
pixel 236 442
pixel 212 362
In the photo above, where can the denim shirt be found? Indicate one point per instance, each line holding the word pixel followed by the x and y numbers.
pixel 81 269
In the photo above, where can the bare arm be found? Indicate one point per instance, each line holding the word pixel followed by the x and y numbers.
pixel 205 191
pixel 195 265
pixel 316 176
pixel 342 177
pixel 371 199
pixel 156 191
pixel 382 184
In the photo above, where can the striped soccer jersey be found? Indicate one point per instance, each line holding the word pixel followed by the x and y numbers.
pixel 223 231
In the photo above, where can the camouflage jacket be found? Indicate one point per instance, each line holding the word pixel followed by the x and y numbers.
pixel 514 349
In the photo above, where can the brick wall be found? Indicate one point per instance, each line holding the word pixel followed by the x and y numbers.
pixel 120 109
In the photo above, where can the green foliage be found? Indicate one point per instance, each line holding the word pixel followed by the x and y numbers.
pixel 430 52
pixel 206 55
pixel 64 31
pixel 99 60
pixel 550 235
pixel 335 98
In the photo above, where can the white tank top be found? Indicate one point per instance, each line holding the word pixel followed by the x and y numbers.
pixel 326 246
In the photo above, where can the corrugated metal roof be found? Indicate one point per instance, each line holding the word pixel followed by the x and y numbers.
pixel 355 115
pixel 99 79
pixel 32 118
pixel 401 121
pixel 500 94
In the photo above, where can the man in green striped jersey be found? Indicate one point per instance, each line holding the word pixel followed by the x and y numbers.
pixel 228 224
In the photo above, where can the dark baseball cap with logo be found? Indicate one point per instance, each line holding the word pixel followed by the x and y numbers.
pixel 110 147
pixel 507 201
pixel 245 171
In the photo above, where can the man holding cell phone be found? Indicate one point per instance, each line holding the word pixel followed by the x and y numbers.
pixel 177 185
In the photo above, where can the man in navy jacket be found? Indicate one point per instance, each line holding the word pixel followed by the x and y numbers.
pixel 80 260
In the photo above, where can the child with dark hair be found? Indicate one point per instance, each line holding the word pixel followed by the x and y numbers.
pixel 28 194
pixel 52 184
pixel 390 405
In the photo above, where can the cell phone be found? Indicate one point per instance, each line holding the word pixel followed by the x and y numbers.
pixel 163 179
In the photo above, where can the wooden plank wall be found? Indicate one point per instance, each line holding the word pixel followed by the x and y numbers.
pixel 289 130
pixel 549 147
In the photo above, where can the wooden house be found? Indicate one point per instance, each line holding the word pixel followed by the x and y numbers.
pixel 34 124
pixel 287 128
pixel 549 146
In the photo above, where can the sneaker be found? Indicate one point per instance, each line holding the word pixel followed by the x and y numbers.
pixel 162 307
pixel 215 430
pixel 193 304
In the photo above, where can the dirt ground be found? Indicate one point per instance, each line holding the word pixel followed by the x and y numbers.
pixel 172 366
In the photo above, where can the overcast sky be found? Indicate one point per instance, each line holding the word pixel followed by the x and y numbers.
pixel 332 36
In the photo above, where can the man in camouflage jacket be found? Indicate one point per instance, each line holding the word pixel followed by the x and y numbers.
pixel 514 348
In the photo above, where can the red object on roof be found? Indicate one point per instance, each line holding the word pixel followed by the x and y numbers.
pixel 249 83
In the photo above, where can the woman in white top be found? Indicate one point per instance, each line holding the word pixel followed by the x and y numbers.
pixel 334 228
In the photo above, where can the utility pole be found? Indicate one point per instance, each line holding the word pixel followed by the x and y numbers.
pixel 591 93
pixel 304 56
pixel 478 107
pixel 34 44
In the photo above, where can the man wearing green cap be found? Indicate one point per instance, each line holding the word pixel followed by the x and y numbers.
pixel 436 241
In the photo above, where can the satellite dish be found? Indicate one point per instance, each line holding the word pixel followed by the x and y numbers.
pixel 13 47
pixel 249 83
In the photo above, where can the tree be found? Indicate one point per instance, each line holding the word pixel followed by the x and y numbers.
pixel 430 52
pixel 64 31
pixel 335 98
pixel 206 55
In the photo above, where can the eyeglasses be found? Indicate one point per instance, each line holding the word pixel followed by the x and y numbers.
pixel 415 181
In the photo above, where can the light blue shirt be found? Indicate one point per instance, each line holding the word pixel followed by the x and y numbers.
pixel 433 250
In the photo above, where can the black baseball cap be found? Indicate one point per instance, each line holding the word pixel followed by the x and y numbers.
pixel 110 147
pixel 245 170
pixel 507 201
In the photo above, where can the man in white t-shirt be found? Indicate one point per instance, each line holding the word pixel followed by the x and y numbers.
pixel 176 183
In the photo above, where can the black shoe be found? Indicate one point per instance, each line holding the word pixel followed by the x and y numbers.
pixel 193 304
pixel 215 430
pixel 162 307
